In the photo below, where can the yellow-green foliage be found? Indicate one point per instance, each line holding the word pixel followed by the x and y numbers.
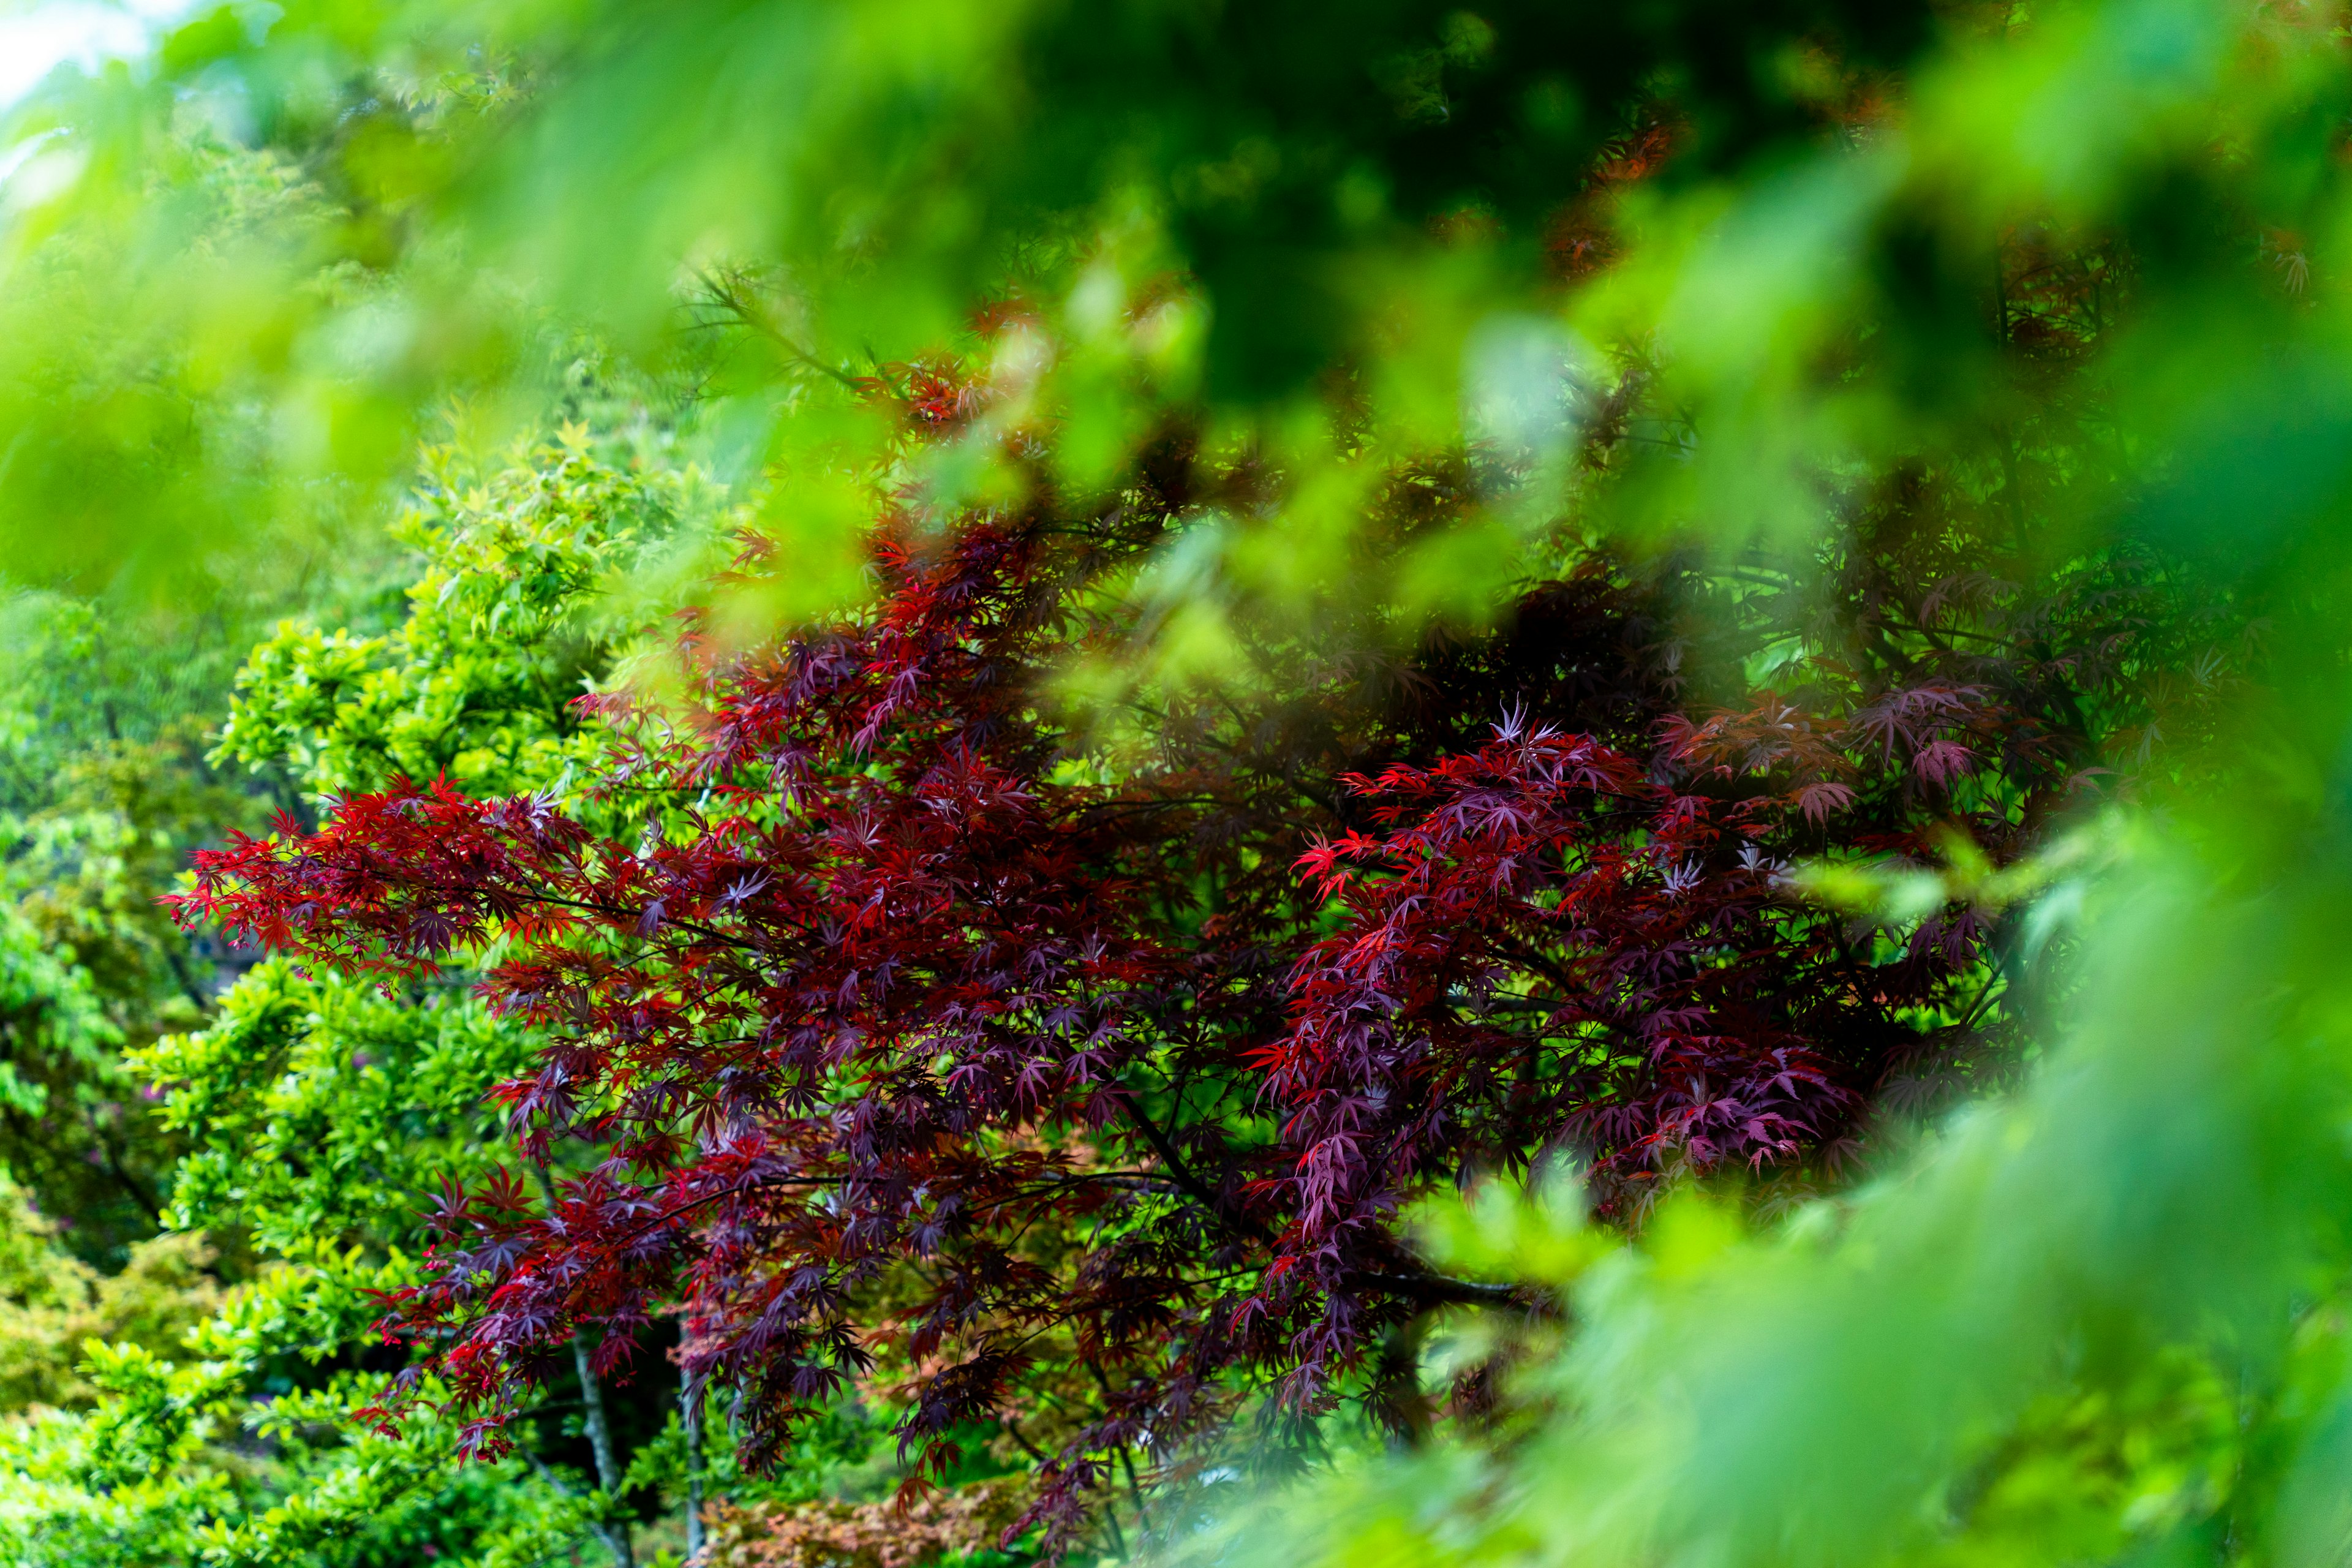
pixel 503 632
pixel 54 1307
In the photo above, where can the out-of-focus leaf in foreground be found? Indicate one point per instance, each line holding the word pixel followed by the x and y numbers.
pixel 1141 214
pixel 2102 1319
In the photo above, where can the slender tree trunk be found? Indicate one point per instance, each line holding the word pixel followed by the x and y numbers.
pixel 689 1404
pixel 600 1442
pixel 614 1534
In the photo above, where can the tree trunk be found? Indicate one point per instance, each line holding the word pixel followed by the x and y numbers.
pixel 600 1442
pixel 689 1404
pixel 615 1534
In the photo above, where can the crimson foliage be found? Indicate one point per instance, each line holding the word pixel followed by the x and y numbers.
pixel 920 1011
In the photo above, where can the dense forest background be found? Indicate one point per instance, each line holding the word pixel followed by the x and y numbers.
pixel 786 783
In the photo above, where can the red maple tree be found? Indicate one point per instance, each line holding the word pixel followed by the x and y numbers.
pixel 907 992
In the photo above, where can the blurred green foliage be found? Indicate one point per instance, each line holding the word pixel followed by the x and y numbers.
pixel 2099 1320
pixel 2076 262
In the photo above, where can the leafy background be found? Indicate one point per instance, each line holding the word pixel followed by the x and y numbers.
pixel 375 377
